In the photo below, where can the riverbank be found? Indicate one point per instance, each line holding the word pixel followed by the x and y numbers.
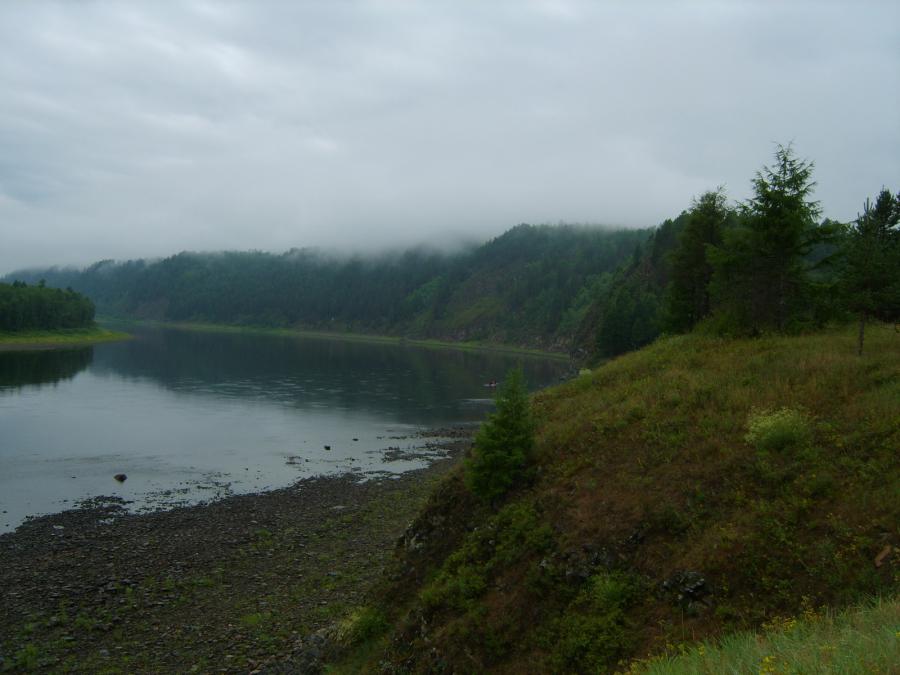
pixel 58 339
pixel 345 336
pixel 222 587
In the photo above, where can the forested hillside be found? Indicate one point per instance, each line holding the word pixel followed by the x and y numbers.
pixel 531 286
pixel 770 263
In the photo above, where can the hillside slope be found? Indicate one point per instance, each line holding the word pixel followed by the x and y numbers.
pixel 859 640
pixel 685 491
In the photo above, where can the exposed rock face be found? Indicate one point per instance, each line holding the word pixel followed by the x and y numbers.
pixel 689 589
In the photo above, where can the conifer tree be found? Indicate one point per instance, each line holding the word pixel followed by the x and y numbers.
pixel 688 298
pixel 760 279
pixel 871 278
pixel 504 443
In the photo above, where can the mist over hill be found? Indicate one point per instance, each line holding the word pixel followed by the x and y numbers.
pixel 531 286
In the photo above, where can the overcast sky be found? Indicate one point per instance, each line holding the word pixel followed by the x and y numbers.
pixel 140 129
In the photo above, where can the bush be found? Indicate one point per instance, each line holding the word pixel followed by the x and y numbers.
pixel 593 633
pixel 504 443
pixel 775 430
pixel 515 533
pixel 361 625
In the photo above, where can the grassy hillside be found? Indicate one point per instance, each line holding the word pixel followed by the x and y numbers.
pixel 857 641
pixel 686 491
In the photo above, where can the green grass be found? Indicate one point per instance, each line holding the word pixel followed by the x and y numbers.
pixel 59 338
pixel 778 430
pixel 863 639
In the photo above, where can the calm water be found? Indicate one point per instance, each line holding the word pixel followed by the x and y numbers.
pixel 190 416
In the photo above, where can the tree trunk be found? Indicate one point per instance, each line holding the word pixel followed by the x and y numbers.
pixel 862 333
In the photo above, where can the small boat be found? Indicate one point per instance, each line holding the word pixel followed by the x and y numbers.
pixel 491 385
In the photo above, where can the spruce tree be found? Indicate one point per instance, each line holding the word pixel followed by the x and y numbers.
pixel 871 275
pixel 504 442
pixel 760 279
pixel 688 297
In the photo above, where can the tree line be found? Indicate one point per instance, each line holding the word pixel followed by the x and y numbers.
pixel 26 308
pixel 766 264
pixel 526 286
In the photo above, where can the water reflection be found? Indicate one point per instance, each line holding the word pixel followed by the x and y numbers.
pixel 413 384
pixel 188 416
pixel 37 367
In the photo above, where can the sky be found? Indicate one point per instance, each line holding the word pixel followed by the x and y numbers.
pixel 140 129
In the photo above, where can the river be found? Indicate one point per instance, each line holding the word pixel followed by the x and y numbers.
pixel 190 416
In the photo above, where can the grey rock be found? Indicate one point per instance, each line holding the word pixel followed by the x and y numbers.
pixel 689 589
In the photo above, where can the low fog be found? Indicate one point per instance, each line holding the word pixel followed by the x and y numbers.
pixel 140 129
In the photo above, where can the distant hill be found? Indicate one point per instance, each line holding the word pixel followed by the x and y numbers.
pixel 531 286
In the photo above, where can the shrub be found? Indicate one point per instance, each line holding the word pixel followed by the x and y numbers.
pixel 504 443
pixel 362 625
pixel 775 430
pixel 593 633
pixel 513 534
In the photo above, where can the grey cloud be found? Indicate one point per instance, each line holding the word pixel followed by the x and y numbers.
pixel 144 128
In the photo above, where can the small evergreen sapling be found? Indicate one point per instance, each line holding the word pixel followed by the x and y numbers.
pixel 504 444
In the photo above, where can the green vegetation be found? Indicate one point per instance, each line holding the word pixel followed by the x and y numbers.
pixel 860 640
pixel 777 430
pixel 767 265
pixel 58 338
pixel 688 300
pixel 38 316
pixel 362 624
pixel 595 630
pixel 504 442
pixel 694 489
pixel 760 278
pixel 38 308
pixel 871 281
pixel 627 308
pixel 699 488
pixel 520 288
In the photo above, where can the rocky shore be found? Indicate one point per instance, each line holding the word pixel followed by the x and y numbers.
pixel 235 585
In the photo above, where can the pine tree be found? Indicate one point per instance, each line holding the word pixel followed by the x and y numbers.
pixel 760 279
pixel 504 443
pixel 688 297
pixel 871 278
